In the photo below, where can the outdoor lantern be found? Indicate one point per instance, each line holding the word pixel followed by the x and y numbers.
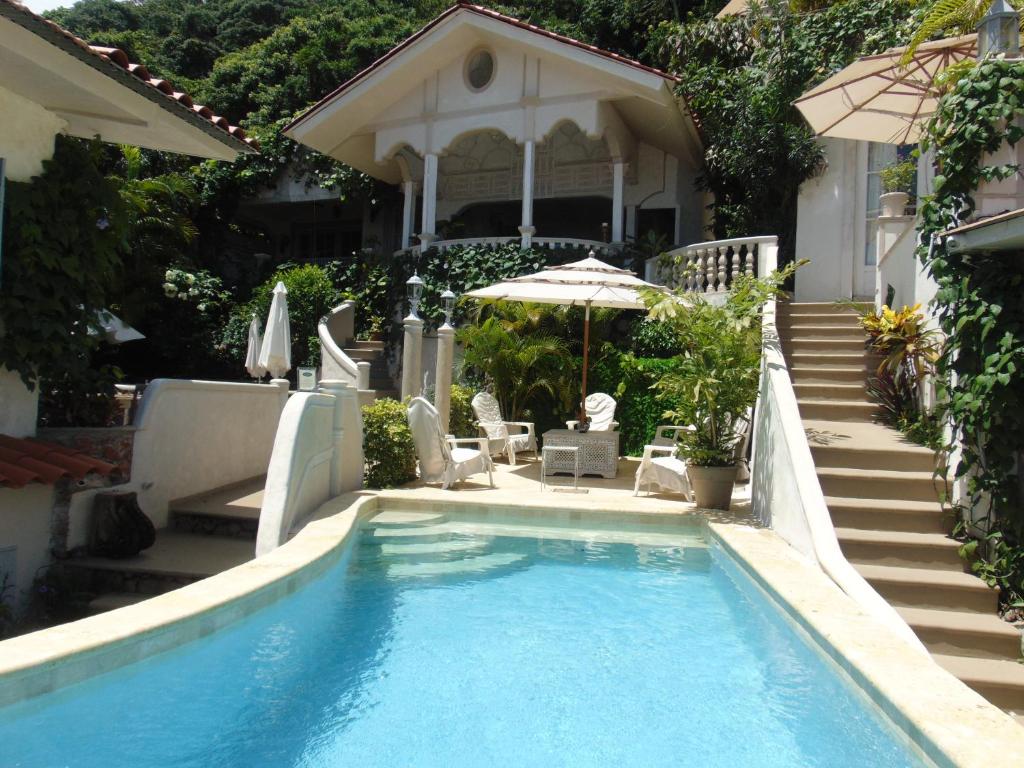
pixel 448 301
pixel 414 287
pixel 999 31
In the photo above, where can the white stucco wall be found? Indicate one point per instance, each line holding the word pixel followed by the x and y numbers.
pixel 25 526
pixel 194 436
pixel 26 137
pixel 826 226
pixel 19 406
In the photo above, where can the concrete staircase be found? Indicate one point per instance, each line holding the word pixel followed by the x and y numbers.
pixel 207 534
pixel 884 503
pixel 372 352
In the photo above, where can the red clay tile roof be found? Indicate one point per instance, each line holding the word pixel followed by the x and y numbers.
pixel 482 11
pixel 106 58
pixel 25 460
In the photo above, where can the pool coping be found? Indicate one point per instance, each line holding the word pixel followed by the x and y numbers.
pixel 947 721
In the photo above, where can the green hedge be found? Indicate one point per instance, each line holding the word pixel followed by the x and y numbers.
pixel 387 445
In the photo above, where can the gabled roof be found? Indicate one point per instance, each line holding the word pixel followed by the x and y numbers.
pixel 25 460
pixel 487 13
pixel 114 64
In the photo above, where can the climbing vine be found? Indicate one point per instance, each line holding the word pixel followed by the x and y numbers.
pixel 980 311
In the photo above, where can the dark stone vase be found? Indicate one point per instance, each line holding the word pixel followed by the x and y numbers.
pixel 119 527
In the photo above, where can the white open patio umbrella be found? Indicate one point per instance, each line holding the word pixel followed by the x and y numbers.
pixel 276 349
pixel 585 283
pixel 252 352
pixel 877 98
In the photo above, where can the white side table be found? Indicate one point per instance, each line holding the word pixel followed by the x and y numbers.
pixel 561 458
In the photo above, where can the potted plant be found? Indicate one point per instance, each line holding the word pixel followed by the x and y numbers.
pixel 713 382
pixel 375 328
pixel 897 187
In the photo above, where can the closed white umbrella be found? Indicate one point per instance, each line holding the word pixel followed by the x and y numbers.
pixel 585 283
pixel 252 352
pixel 276 350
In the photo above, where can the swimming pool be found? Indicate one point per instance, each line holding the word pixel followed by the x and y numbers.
pixel 454 642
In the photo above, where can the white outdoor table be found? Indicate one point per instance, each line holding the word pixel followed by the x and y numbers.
pixel 598 452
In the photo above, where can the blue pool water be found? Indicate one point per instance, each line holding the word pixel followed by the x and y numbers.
pixel 441 646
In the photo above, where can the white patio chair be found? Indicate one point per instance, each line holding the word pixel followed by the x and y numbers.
pixel 661 467
pixel 601 411
pixel 500 435
pixel 441 459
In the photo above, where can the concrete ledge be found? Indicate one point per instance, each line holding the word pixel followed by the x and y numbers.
pixel 940 716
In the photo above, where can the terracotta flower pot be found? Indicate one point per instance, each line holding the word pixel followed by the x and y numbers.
pixel 712 486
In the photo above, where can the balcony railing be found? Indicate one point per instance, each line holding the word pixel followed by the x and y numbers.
pixel 709 267
pixel 542 243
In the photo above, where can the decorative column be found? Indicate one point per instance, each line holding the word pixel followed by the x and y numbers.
pixel 347 438
pixel 526 229
pixel 429 199
pixel 408 212
pixel 412 343
pixel 282 388
pixel 445 362
pixel 618 180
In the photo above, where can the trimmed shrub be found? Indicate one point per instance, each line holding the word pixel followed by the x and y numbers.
pixel 387 445
pixel 461 416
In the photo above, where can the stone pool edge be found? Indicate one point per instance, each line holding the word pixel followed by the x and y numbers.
pixel 950 723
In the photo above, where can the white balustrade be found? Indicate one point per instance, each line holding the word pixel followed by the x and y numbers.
pixel 710 267
pixel 540 243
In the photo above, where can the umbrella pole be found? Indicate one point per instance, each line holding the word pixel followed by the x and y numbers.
pixel 586 361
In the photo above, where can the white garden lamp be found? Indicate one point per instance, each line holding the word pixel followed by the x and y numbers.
pixel 585 283
pixel 999 31
pixel 276 349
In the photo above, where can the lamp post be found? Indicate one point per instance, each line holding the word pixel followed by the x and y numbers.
pixel 412 342
pixel 999 31
pixel 445 362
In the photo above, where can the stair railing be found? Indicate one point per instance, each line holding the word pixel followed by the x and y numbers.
pixel 710 267
pixel 334 331
pixel 785 492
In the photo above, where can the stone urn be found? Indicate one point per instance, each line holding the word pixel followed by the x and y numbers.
pixel 712 486
pixel 894 203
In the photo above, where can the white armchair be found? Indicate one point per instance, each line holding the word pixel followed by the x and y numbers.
pixel 661 467
pixel 600 411
pixel 500 435
pixel 441 457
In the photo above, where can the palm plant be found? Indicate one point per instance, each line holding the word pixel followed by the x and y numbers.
pixel 518 367
pixel 951 17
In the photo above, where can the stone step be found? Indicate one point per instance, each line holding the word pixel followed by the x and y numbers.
pixel 382 394
pixel 833 346
pixel 900 548
pixel 364 344
pixel 175 555
pixel 359 354
pixel 964 633
pixel 820 308
pixel 399 518
pixel 930 588
pixel 878 484
pixel 911 458
pixel 998 680
pixel 833 331
pixel 241 500
pixel 433 547
pixel 837 410
pixel 802 359
pixel 888 515
pixel 843 319
pixel 462 566
pixel 807 373
pixel 110 601
pixel 830 391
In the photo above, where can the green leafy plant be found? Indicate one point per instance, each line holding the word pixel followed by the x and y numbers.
pixel 461 419
pixel 517 367
pixel 388 449
pixel 981 368
pixel 899 177
pixel 713 381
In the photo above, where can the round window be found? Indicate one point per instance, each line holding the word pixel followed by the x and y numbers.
pixel 480 70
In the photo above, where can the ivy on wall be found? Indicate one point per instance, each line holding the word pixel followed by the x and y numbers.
pixel 980 310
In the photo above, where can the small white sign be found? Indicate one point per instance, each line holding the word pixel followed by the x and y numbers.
pixel 307 379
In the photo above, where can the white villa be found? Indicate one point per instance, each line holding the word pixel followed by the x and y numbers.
pixel 497 130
